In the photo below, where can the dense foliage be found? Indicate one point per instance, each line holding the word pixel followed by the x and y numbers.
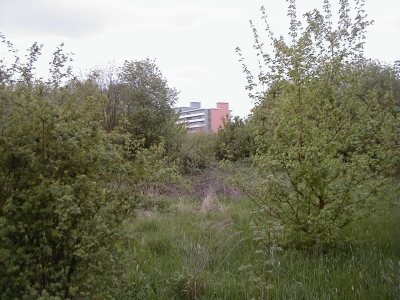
pixel 327 127
pixel 196 152
pixel 66 184
pixel 140 101
pixel 235 140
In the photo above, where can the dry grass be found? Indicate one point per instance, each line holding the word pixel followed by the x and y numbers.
pixel 210 203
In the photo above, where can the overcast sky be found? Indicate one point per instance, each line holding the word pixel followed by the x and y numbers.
pixel 193 42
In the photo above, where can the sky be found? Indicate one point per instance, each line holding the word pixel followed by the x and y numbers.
pixel 192 42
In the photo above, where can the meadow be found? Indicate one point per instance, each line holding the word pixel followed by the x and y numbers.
pixel 188 248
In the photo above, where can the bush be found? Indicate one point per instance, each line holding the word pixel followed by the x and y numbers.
pixel 327 140
pixel 64 190
pixel 235 140
pixel 197 152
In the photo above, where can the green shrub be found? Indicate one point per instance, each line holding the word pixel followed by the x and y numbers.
pixel 65 188
pixel 235 140
pixel 197 152
pixel 327 138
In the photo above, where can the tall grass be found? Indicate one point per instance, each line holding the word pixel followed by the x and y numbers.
pixel 185 252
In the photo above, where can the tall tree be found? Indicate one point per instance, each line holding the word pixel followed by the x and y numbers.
pixel 147 102
pixel 327 140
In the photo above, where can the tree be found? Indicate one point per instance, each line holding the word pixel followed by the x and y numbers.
pixel 327 147
pixel 107 81
pixel 147 102
pixel 140 101
pixel 65 187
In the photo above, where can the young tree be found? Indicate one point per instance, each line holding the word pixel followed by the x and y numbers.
pixel 327 140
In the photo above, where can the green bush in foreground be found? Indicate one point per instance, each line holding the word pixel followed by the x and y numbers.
pixel 327 138
pixel 64 190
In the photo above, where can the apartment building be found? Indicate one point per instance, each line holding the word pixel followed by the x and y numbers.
pixel 202 119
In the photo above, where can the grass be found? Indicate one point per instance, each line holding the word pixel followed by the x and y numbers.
pixel 367 268
pixel 186 252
